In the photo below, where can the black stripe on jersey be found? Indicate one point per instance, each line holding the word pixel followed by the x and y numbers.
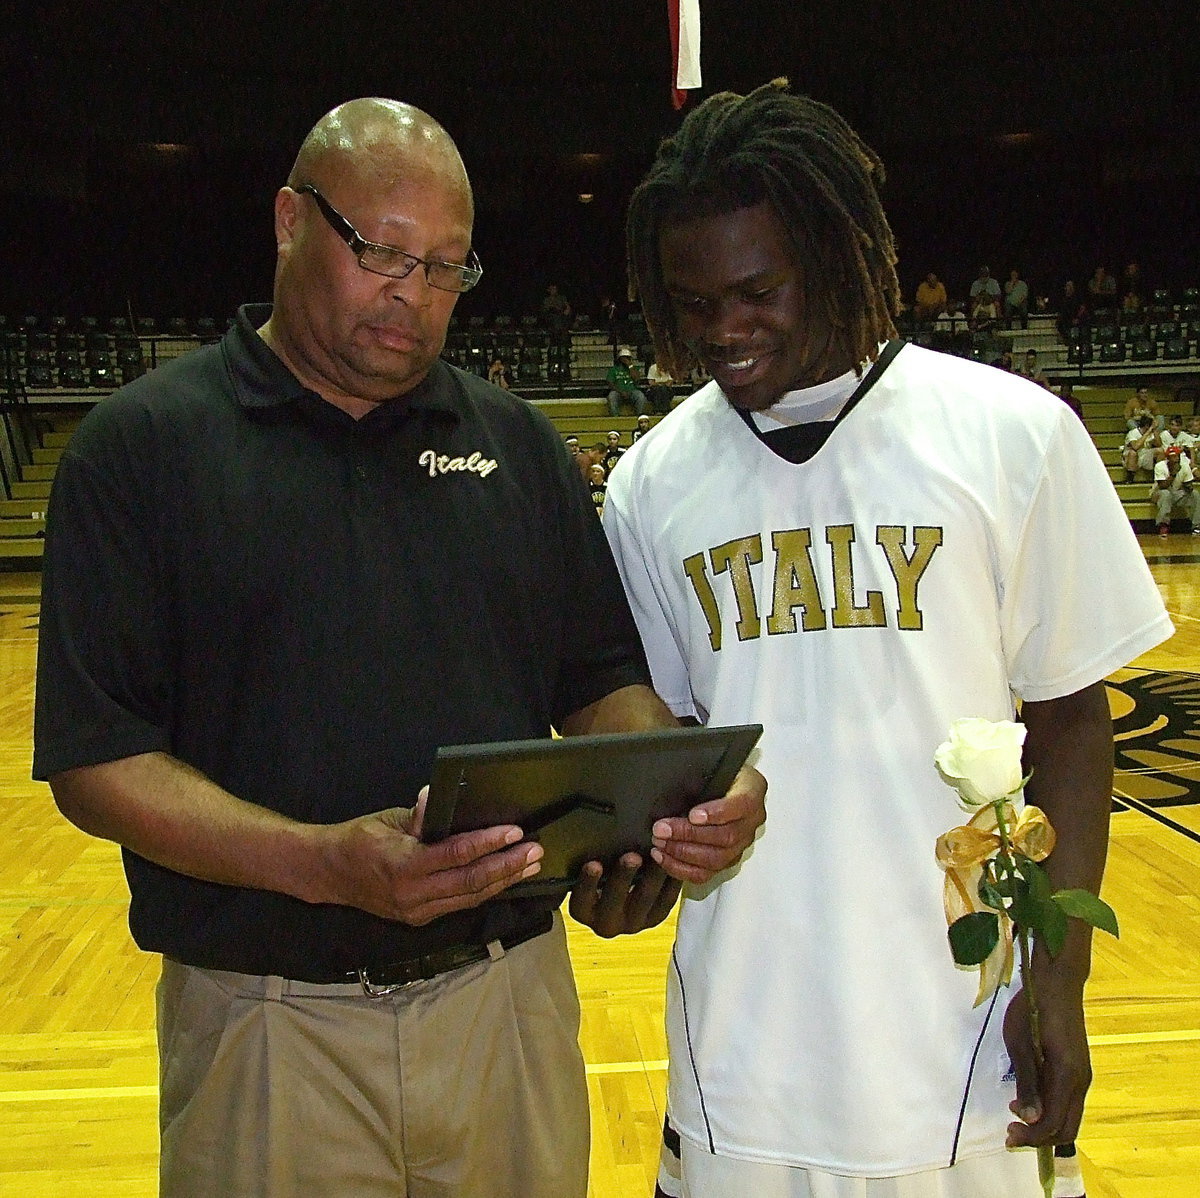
pixel 799 442
pixel 691 1055
pixel 962 1110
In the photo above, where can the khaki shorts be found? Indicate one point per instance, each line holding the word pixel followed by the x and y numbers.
pixel 470 1085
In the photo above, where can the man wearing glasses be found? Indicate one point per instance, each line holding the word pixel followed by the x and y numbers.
pixel 280 572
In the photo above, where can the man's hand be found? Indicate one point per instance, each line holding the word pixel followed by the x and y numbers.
pixel 1050 1107
pixel 378 864
pixel 632 896
pixel 713 835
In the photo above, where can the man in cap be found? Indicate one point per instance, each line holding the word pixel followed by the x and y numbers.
pixel 621 385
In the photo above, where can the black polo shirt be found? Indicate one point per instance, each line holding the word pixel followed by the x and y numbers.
pixel 303 606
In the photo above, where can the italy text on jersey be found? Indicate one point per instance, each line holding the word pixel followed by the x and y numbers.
pixel 795 585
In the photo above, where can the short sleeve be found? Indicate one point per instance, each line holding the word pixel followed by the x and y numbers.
pixel 668 667
pixel 1078 599
pixel 102 683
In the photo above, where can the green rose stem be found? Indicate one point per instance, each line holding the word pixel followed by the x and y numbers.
pixel 1045 1152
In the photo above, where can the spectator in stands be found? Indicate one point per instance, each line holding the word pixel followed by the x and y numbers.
pixel 1102 288
pixel 1173 491
pixel 1174 435
pixel 660 389
pixel 612 452
pixel 1032 369
pixel 597 487
pixel 621 384
pixel 985 312
pixel 1142 403
pixel 1141 444
pixel 1066 392
pixel 1190 439
pixel 1073 311
pixel 498 373
pixel 572 444
pixel 984 284
pixel 608 317
pixel 556 309
pixel 1132 289
pixel 252 522
pixel 643 427
pixel 587 458
pixel 930 300
pixel 1016 299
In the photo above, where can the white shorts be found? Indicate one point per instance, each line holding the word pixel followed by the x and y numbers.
pixel 1000 1174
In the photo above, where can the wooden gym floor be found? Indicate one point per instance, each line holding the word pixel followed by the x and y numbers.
pixel 77 1060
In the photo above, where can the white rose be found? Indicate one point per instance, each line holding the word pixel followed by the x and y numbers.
pixel 982 760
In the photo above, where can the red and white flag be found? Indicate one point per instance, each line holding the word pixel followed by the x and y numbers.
pixel 684 17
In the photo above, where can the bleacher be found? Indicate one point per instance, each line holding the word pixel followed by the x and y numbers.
pixel 53 371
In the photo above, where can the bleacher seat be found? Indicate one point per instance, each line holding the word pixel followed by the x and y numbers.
pixel 71 376
pixel 1079 353
pixel 1176 348
pixel 102 376
pixel 177 326
pixel 1168 330
pixel 1142 350
pixel 38 375
pixel 146 326
pixel 1112 351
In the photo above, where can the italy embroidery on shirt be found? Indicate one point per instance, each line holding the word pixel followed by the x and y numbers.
pixel 474 463
pixel 794 584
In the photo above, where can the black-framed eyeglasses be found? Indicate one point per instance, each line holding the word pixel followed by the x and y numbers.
pixel 396 264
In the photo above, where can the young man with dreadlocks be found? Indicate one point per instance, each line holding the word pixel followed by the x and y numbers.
pixel 855 542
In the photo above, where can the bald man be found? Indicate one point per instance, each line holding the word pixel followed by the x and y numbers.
pixel 279 573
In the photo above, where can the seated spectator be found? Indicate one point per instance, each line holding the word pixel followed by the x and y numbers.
pixel 1190 439
pixel 984 284
pixel 587 458
pixel 598 487
pixel 1140 446
pixel 1142 403
pixel 985 312
pixel 1102 288
pixel 1174 435
pixel 1032 370
pixel 1073 312
pixel 1173 491
pixel 572 444
pixel 1016 300
pixel 498 373
pixel 643 425
pixel 612 453
pixel 621 385
pixel 930 300
pixel 660 388
pixel 1066 393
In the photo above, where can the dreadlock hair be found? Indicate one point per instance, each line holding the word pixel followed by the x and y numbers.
pixel 800 156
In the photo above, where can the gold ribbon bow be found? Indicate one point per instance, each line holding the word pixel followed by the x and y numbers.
pixel 962 853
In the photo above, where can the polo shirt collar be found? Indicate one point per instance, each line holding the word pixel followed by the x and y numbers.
pixel 261 380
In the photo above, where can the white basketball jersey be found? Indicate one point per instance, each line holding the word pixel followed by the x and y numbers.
pixel 955 542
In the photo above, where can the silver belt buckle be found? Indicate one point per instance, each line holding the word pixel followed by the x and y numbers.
pixel 374 990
